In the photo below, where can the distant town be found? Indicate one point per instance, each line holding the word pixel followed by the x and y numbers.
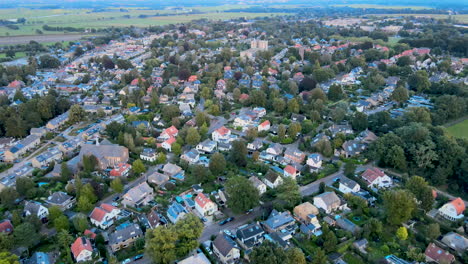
pixel 287 139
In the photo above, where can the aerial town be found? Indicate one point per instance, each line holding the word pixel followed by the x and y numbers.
pixel 278 140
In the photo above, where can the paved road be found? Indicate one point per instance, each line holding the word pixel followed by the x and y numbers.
pixel 239 220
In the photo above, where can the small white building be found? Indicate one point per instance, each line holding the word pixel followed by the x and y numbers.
pixel 348 186
pixel 314 161
pixel 376 178
pixel 453 210
pixel 204 205
pixel 257 183
pixel 149 154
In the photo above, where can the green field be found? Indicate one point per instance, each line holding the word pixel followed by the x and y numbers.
pixel 84 18
pixel 459 130
pixel 17 55
pixel 384 6
pixel 458 18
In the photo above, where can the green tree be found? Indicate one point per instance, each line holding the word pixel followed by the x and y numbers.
pixel 330 241
pixel 54 212
pixel 80 223
pixel 61 223
pixel 402 233
pixel 349 169
pixel 289 192
pixel 76 114
pixel 399 206
pixel 432 231
pixel 8 258
pixel 192 138
pixel 138 167
pixel 293 106
pixel 268 252
pixel 324 147
pixel 64 239
pixel 242 194
pixel 6 243
pixel 65 173
pixel 217 163
pixel 373 229
pixel 319 257
pixel 295 256
pixel 26 235
pixel 419 81
pixel 294 129
pixel 189 230
pixel 84 204
pixel 116 185
pixel 90 163
pixel 335 93
pixel 400 94
pixel 8 196
pixel 279 105
pixel 24 184
pixel 422 191
pixel 359 122
pixel 238 154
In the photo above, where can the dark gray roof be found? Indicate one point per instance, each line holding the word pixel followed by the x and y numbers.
pixel 58 198
pixel 249 231
pixel 224 244
pixel 125 233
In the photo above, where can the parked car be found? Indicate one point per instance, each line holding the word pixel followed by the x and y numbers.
pixel 137 257
pixel 227 220
pixel 126 261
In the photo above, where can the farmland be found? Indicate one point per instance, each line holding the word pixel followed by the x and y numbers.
pixel 384 6
pixel 86 19
pixel 458 18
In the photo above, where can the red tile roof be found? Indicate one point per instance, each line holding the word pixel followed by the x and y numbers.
pixel 6 227
pixel 265 123
pixel 290 170
pixel 120 169
pixel 80 244
pixel 171 131
pixel 98 214
pixel 90 234
pixel 202 200
pixel 223 130
pixel 439 255
pixel 371 174
pixel 170 140
pixel 459 205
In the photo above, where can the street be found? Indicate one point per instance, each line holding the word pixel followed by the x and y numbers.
pixel 313 187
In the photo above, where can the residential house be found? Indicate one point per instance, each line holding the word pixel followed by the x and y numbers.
pixel 255 145
pixel 61 199
pixel 280 222
pixel 191 157
pixel 264 126
pixel 6 227
pixel 103 216
pixel 453 210
pixel 258 184
pixel 196 258
pixel 139 195
pixel 108 155
pixel 40 132
pixel 207 146
pixel 438 255
pixel 121 170
pixel 175 212
pixel 351 148
pixel 82 249
pixel 124 236
pixel 39 258
pixel 153 219
pixel 275 149
pixel 314 161
pixel 36 209
pixel 348 186
pixel 57 122
pixel 250 236
pixel 456 242
pixel 328 201
pixel 21 147
pixel 167 144
pixel 154 176
pixel 305 211
pixel 170 132
pixel 204 205
pixel 221 134
pixel 149 155
pixel 226 249
pixel 292 155
pixel 173 171
pixel 291 172
pixel 376 178
pixel 344 129
pixel 272 179
pixel 361 245
pixel 347 225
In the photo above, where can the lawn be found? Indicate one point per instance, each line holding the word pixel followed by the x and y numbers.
pixel 459 130
pixel 459 18
pixel 351 258
pixel 17 55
